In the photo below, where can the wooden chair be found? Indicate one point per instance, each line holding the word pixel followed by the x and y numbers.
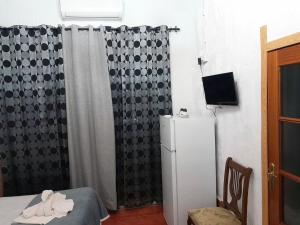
pixel 236 183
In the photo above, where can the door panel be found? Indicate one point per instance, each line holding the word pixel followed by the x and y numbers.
pixel 291 202
pixel 290 148
pixel 290 91
pixel 284 135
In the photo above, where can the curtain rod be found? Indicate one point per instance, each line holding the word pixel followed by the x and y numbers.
pixel 176 29
pixel 171 29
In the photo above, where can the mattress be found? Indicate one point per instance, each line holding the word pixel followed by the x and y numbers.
pixel 11 207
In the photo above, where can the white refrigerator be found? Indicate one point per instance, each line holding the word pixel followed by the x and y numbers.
pixel 188 166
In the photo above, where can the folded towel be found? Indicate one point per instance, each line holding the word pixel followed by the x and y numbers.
pixel 34 220
pixel 53 205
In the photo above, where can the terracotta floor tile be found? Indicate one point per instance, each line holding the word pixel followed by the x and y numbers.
pixel 144 216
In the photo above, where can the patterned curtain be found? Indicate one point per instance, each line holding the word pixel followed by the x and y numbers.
pixel 139 69
pixel 33 132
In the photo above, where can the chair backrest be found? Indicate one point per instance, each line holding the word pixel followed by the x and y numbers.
pixel 236 184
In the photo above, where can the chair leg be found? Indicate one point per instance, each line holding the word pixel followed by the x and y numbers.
pixel 189 221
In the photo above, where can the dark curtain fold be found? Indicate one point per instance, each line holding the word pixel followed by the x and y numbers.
pixel 33 132
pixel 139 69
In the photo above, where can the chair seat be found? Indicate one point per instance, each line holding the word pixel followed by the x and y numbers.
pixel 213 216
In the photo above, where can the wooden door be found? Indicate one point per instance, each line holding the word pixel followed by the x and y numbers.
pixel 284 135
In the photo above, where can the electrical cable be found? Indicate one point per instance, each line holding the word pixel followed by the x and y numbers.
pixel 213 111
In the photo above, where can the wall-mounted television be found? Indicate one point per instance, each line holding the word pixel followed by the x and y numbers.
pixel 220 89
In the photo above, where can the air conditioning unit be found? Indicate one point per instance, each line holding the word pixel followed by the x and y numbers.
pixel 91 9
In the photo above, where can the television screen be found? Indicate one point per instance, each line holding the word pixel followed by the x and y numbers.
pixel 220 89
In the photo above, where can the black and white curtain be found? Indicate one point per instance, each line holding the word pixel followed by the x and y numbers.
pixel 33 132
pixel 139 68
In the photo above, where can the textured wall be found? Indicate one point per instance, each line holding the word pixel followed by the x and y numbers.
pixel 229 41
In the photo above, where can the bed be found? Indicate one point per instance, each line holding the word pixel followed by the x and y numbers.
pixel 10 207
pixel 88 208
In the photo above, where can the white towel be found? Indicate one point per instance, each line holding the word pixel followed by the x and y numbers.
pixel 53 205
pixel 62 208
pixel 34 220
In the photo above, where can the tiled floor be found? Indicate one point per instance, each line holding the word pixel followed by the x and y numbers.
pixel 145 216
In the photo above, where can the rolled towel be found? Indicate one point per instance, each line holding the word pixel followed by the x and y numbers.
pixel 48 209
pixel 46 195
pixel 30 211
pixel 40 209
pixel 58 197
pixel 61 208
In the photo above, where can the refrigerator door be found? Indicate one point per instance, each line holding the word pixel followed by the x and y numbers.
pixel 169 185
pixel 195 164
pixel 167 132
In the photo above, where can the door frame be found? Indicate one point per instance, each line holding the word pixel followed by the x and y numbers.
pixel 267 46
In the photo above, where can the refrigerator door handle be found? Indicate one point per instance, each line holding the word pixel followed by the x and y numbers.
pixel 166 148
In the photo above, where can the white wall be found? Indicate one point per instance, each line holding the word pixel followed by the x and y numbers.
pixel 229 41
